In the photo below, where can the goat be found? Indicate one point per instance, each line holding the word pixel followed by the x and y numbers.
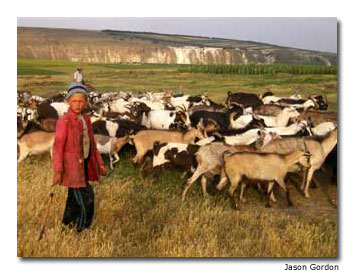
pixel 174 154
pixel 265 167
pixel 34 143
pixel 209 163
pixel 60 107
pixel 243 99
pixel 165 155
pixel 46 110
pixel 298 129
pixel 221 118
pixel 166 119
pixel 145 139
pixel 269 98
pixel 243 121
pixel 104 127
pixel 316 102
pixel 119 105
pixel 281 120
pixel 111 146
pixel 316 117
pixel 323 128
pixel 319 147
pixel 268 110
pixel 187 101
pixel 246 138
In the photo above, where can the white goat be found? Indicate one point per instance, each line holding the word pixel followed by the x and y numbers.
pixel 282 119
pixel 111 146
pixel 60 107
pixel 163 119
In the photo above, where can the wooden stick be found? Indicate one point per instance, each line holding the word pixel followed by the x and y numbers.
pixel 45 219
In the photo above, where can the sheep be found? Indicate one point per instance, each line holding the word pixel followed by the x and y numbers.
pixel 34 143
pixel 111 146
pixel 265 167
pixel 145 139
pixel 319 147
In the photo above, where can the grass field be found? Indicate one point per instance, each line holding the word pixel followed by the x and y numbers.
pixel 140 218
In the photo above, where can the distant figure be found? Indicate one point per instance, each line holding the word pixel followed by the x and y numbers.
pixel 78 76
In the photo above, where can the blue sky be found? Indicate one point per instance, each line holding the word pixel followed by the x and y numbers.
pixel 313 33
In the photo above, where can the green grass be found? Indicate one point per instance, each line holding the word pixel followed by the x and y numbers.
pixel 36 71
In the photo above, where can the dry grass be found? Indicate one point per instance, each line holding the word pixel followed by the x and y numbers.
pixel 137 218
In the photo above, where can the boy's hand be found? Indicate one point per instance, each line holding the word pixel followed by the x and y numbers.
pixel 103 170
pixel 58 177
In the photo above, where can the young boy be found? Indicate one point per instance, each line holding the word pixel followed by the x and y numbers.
pixel 76 159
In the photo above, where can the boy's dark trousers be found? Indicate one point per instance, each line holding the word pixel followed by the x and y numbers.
pixel 79 207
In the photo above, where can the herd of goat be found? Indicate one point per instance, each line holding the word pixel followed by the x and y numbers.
pixel 248 139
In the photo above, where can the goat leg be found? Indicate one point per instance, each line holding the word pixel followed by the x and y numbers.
pixel 183 174
pixel 270 190
pixel 157 173
pixel 190 181
pixel 290 203
pixel 116 156
pixel 204 183
pixel 308 180
pixel 110 161
pixel 222 182
pixel 231 191
pixel 243 186
pixel 281 183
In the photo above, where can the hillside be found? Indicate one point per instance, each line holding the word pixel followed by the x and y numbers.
pixel 109 46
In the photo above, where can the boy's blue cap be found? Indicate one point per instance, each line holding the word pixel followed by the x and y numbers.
pixel 76 87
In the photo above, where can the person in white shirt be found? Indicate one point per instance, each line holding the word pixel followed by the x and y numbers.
pixel 78 76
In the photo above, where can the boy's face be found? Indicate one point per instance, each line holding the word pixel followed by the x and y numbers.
pixel 77 102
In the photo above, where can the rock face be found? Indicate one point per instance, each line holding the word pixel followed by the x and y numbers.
pixel 131 47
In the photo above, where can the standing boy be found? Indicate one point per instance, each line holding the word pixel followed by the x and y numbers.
pixel 76 159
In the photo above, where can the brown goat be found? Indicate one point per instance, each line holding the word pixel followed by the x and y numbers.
pixel 144 140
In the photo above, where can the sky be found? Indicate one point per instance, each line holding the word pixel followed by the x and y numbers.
pixel 312 33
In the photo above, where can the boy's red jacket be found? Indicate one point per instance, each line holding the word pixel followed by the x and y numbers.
pixel 68 151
